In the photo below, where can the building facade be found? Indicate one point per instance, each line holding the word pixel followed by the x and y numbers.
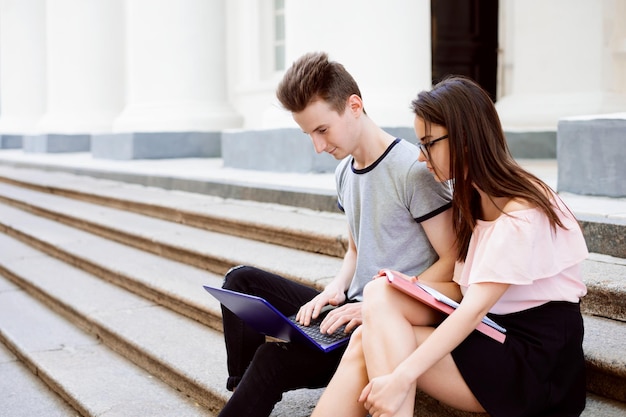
pixel 126 79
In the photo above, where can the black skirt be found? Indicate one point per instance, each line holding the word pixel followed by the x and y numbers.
pixel 538 371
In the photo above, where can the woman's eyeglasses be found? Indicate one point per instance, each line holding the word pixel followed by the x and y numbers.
pixel 425 147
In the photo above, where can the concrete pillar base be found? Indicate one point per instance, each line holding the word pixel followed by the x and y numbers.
pixel 278 150
pixel 539 144
pixel 11 141
pixel 156 145
pixel 56 143
pixel 590 154
pixel 283 150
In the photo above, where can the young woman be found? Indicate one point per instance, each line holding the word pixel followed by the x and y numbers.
pixel 520 254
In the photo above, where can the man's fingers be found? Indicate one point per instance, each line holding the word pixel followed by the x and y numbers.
pixel 352 324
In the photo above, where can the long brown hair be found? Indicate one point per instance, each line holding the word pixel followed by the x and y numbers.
pixel 479 155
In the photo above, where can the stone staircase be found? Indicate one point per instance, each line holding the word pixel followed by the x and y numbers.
pixel 101 296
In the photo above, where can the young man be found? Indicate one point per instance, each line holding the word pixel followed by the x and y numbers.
pixel 398 216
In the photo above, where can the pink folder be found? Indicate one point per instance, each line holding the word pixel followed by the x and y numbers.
pixel 441 302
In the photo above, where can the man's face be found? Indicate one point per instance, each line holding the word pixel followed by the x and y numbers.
pixel 329 131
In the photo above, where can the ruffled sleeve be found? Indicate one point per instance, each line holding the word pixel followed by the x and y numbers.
pixel 522 247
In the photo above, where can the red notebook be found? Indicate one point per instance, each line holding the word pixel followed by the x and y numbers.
pixel 441 302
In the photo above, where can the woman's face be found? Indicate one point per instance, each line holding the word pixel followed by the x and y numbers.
pixel 434 148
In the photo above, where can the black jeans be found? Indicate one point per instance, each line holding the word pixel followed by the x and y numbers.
pixel 262 371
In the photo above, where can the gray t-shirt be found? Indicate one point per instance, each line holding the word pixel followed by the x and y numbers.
pixel 384 205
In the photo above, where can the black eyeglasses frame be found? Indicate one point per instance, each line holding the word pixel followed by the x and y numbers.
pixel 425 147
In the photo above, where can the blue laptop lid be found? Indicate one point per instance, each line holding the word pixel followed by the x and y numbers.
pixel 259 314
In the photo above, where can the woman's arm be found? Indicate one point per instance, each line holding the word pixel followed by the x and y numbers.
pixel 388 392
pixel 476 303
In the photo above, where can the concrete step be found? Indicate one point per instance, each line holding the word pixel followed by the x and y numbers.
pixel 596 406
pixel 184 247
pixel 604 344
pixel 197 175
pixel 312 231
pixel 189 356
pixel 189 254
pixel 213 251
pixel 605 275
pixel 151 276
pixel 176 285
pixel 603 220
pixel 23 394
pixel 82 371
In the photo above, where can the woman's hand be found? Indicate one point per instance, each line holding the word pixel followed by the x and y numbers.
pixel 384 395
pixel 385 272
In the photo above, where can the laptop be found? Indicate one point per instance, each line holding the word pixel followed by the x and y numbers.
pixel 259 314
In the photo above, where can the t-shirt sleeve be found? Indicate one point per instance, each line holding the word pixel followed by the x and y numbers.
pixel 426 196
pixel 339 181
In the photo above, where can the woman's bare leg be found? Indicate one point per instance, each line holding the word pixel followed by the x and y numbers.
pixel 394 325
pixel 388 320
pixel 340 398
pixel 444 382
pixel 388 336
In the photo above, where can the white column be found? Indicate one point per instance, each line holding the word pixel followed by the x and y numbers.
pixel 385 45
pixel 22 65
pixel 563 61
pixel 176 72
pixel 85 66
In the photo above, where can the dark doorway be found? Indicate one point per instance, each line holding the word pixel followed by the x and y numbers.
pixel 465 40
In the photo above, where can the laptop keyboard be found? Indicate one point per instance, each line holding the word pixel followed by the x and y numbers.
pixel 313 330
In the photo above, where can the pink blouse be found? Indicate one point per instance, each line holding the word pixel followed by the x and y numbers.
pixel 520 248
